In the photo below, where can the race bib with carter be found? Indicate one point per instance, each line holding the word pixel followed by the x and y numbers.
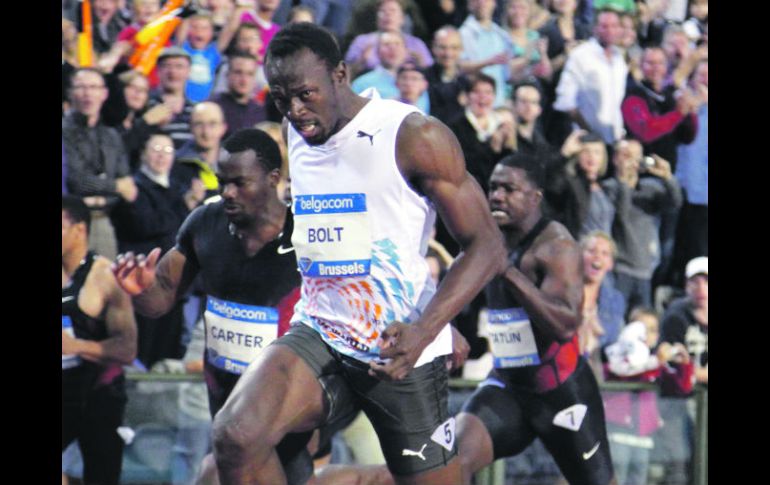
pixel 237 333
pixel 511 338
pixel 332 235
pixel 69 361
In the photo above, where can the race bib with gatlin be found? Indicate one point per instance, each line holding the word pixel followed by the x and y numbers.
pixel 511 338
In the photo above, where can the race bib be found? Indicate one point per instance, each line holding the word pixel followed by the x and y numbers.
pixel 69 361
pixel 332 235
pixel 511 338
pixel 237 333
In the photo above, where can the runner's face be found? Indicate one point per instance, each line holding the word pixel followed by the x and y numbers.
pixel 306 94
pixel 245 187
pixel 512 197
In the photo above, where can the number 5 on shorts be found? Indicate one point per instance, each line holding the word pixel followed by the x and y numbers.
pixel 445 434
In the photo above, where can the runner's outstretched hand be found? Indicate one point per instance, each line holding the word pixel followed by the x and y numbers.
pixel 135 273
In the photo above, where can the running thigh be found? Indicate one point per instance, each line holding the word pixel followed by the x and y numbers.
pixel 278 394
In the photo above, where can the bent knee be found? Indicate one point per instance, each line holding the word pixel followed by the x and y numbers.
pixel 233 437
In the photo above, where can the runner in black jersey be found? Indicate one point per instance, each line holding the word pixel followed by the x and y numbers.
pixel 98 338
pixel 241 247
pixel 540 387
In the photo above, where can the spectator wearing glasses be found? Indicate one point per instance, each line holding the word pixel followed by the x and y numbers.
pixel 151 221
pixel 97 165
pixel 197 159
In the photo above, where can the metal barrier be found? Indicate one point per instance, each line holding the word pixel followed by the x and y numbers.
pixel 157 413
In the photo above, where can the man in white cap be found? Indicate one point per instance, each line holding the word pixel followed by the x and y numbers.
pixel 685 321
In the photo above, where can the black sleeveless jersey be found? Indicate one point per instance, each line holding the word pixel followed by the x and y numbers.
pixel 557 360
pixel 270 278
pixel 80 376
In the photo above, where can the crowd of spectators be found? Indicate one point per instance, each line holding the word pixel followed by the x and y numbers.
pixel 610 95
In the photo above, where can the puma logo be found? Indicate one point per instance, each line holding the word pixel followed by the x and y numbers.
pixel 418 454
pixel 362 134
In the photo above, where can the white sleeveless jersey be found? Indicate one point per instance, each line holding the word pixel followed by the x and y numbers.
pixel 360 234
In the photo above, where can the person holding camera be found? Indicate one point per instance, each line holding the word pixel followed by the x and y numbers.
pixel 574 190
pixel 643 188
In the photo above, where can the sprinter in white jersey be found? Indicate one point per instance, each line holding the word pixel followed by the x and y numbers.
pixel 368 176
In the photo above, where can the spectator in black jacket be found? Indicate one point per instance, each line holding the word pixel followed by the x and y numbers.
pixel 153 220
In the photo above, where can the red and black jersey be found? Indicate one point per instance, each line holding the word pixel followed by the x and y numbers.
pixel 558 360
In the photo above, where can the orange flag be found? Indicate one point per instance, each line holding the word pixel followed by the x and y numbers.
pixel 85 36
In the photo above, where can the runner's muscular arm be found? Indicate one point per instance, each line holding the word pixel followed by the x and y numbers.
pixel 555 306
pixel 429 155
pixel 120 345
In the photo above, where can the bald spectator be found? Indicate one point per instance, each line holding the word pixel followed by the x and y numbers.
pixel 97 163
pixel 392 53
pixel 593 83
pixel 238 104
pixel 174 70
pixel 446 82
pixel 196 160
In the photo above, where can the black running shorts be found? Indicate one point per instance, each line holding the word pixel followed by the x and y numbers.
pixel 410 416
pixel 569 420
